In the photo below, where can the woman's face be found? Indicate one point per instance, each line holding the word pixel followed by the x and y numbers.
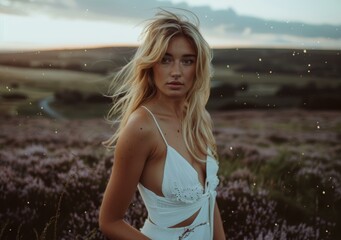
pixel 174 74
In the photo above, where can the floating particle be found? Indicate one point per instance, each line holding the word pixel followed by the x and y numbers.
pixel 227 66
pixel 231 148
pixel 323 192
pixel 56 131
pixel 309 65
pixel 42 108
pixel 270 72
pixel 260 59
pixel 305 51
pixel 84 64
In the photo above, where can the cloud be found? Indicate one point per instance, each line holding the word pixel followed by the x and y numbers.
pixel 227 22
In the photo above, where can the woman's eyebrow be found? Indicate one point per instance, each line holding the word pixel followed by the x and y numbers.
pixel 185 55
pixel 189 55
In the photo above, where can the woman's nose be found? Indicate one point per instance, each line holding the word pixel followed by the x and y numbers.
pixel 176 70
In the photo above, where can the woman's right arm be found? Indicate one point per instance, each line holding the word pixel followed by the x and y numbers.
pixel 132 150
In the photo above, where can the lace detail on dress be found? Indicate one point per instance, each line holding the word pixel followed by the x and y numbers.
pixel 188 194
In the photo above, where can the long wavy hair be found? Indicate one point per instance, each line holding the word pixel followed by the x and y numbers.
pixel 134 85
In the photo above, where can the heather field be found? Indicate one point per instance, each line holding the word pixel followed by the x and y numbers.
pixel 280 175
pixel 277 122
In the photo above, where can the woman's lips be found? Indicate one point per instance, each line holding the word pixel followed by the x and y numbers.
pixel 175 85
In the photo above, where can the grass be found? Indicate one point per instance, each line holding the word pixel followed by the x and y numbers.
pixel 51 79
pixel 82 110
pixel 293 195
pixel 224 75
pixel 37 84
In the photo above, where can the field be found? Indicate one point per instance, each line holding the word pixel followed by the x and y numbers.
pixel 277 126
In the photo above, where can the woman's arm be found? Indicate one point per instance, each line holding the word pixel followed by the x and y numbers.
pixel 132 150
pixel 218 225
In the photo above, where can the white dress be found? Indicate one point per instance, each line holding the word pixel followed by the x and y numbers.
pixel 183 196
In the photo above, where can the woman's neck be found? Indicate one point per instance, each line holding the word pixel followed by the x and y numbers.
pixel 169 106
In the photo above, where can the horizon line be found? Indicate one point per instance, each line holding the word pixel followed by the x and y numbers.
pixel 130 45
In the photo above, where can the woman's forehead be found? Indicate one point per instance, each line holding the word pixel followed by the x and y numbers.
pixel 181 45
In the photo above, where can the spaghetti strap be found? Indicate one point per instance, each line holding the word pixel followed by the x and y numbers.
pixel 157 124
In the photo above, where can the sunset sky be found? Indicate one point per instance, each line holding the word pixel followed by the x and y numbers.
pixel 41 24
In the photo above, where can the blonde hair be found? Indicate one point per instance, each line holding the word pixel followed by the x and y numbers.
pixel 134 85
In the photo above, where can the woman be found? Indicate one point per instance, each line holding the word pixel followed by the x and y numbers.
pixel 164 143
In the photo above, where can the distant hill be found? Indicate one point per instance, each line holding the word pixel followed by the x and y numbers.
pixel 319 63
pixel 243 78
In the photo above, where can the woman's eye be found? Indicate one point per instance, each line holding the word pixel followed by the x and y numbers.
pixel 187 62
pixel 166 60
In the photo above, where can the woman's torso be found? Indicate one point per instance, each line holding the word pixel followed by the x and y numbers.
pixel 170 180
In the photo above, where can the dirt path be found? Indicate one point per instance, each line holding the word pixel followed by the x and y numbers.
pixel 44 104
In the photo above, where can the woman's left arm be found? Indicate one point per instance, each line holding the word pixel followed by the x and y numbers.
pixel 218 225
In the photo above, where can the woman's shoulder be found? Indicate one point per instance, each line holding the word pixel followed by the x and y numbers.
pixel 137 137
pixel 139 123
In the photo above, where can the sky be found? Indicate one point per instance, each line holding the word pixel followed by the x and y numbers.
pixel 44 24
